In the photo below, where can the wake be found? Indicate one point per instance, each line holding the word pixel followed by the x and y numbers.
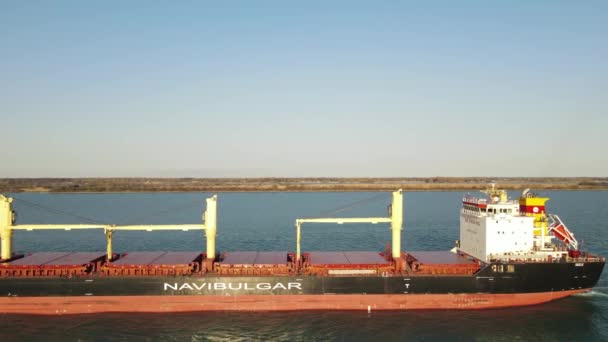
pixel 594 293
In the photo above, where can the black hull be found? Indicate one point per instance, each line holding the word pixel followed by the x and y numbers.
pixel 492 279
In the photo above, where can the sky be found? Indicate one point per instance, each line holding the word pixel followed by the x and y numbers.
pixel 294 89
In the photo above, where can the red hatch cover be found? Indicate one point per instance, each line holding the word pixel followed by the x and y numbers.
pixel 239 258
pixel 77 258
pixel 271 258
pixel 176 258
pixel 57 259
pixel 254 258
pixel 138 258
pixel 157 258
pixel 440 258
pixel 362 258
pixel 346 258
pixel 37 259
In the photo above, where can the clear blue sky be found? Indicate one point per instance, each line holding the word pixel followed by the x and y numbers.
pixel 314 88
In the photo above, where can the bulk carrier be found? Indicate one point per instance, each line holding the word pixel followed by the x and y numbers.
pixel 510 253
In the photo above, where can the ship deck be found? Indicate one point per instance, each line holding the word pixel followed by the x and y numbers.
pixel 57 259
pixel 155 263
pixel 440 258
pixel 53 264
pixel 260 259
pixel 156 258
pixel 441 262
pixel 347 258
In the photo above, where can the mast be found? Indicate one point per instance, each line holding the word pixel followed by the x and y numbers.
pixel 396 223
pixel 6 221
pixel 210 219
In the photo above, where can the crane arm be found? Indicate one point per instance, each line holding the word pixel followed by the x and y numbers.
pixel 372 220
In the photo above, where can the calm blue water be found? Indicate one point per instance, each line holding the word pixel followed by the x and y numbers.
pixel 264 221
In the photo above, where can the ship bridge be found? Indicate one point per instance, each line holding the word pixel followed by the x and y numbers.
pixel 496 227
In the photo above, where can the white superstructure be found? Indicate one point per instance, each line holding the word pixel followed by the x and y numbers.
pixel 498 228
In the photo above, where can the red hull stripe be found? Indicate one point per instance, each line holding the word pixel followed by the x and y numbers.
pixel 84 305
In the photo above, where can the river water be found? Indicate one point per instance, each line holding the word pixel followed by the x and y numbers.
pixel 265 221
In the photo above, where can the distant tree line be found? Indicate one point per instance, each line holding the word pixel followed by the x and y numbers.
pixel 295 184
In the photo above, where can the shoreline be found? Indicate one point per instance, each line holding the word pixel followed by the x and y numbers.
pixel 142 185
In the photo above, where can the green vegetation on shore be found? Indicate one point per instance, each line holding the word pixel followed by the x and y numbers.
pixel 294 184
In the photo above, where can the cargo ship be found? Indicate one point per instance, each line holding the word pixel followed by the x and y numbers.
pixel 510 253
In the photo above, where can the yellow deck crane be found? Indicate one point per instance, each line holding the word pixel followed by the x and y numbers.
pixel 395 219
pixel 7 226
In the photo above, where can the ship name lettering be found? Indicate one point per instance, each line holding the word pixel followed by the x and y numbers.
pixel 294 286
pixel 199 287
pixel 169 286
pixel 279 286
pixel 186 286
pixel 231 286
pixel 235 288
